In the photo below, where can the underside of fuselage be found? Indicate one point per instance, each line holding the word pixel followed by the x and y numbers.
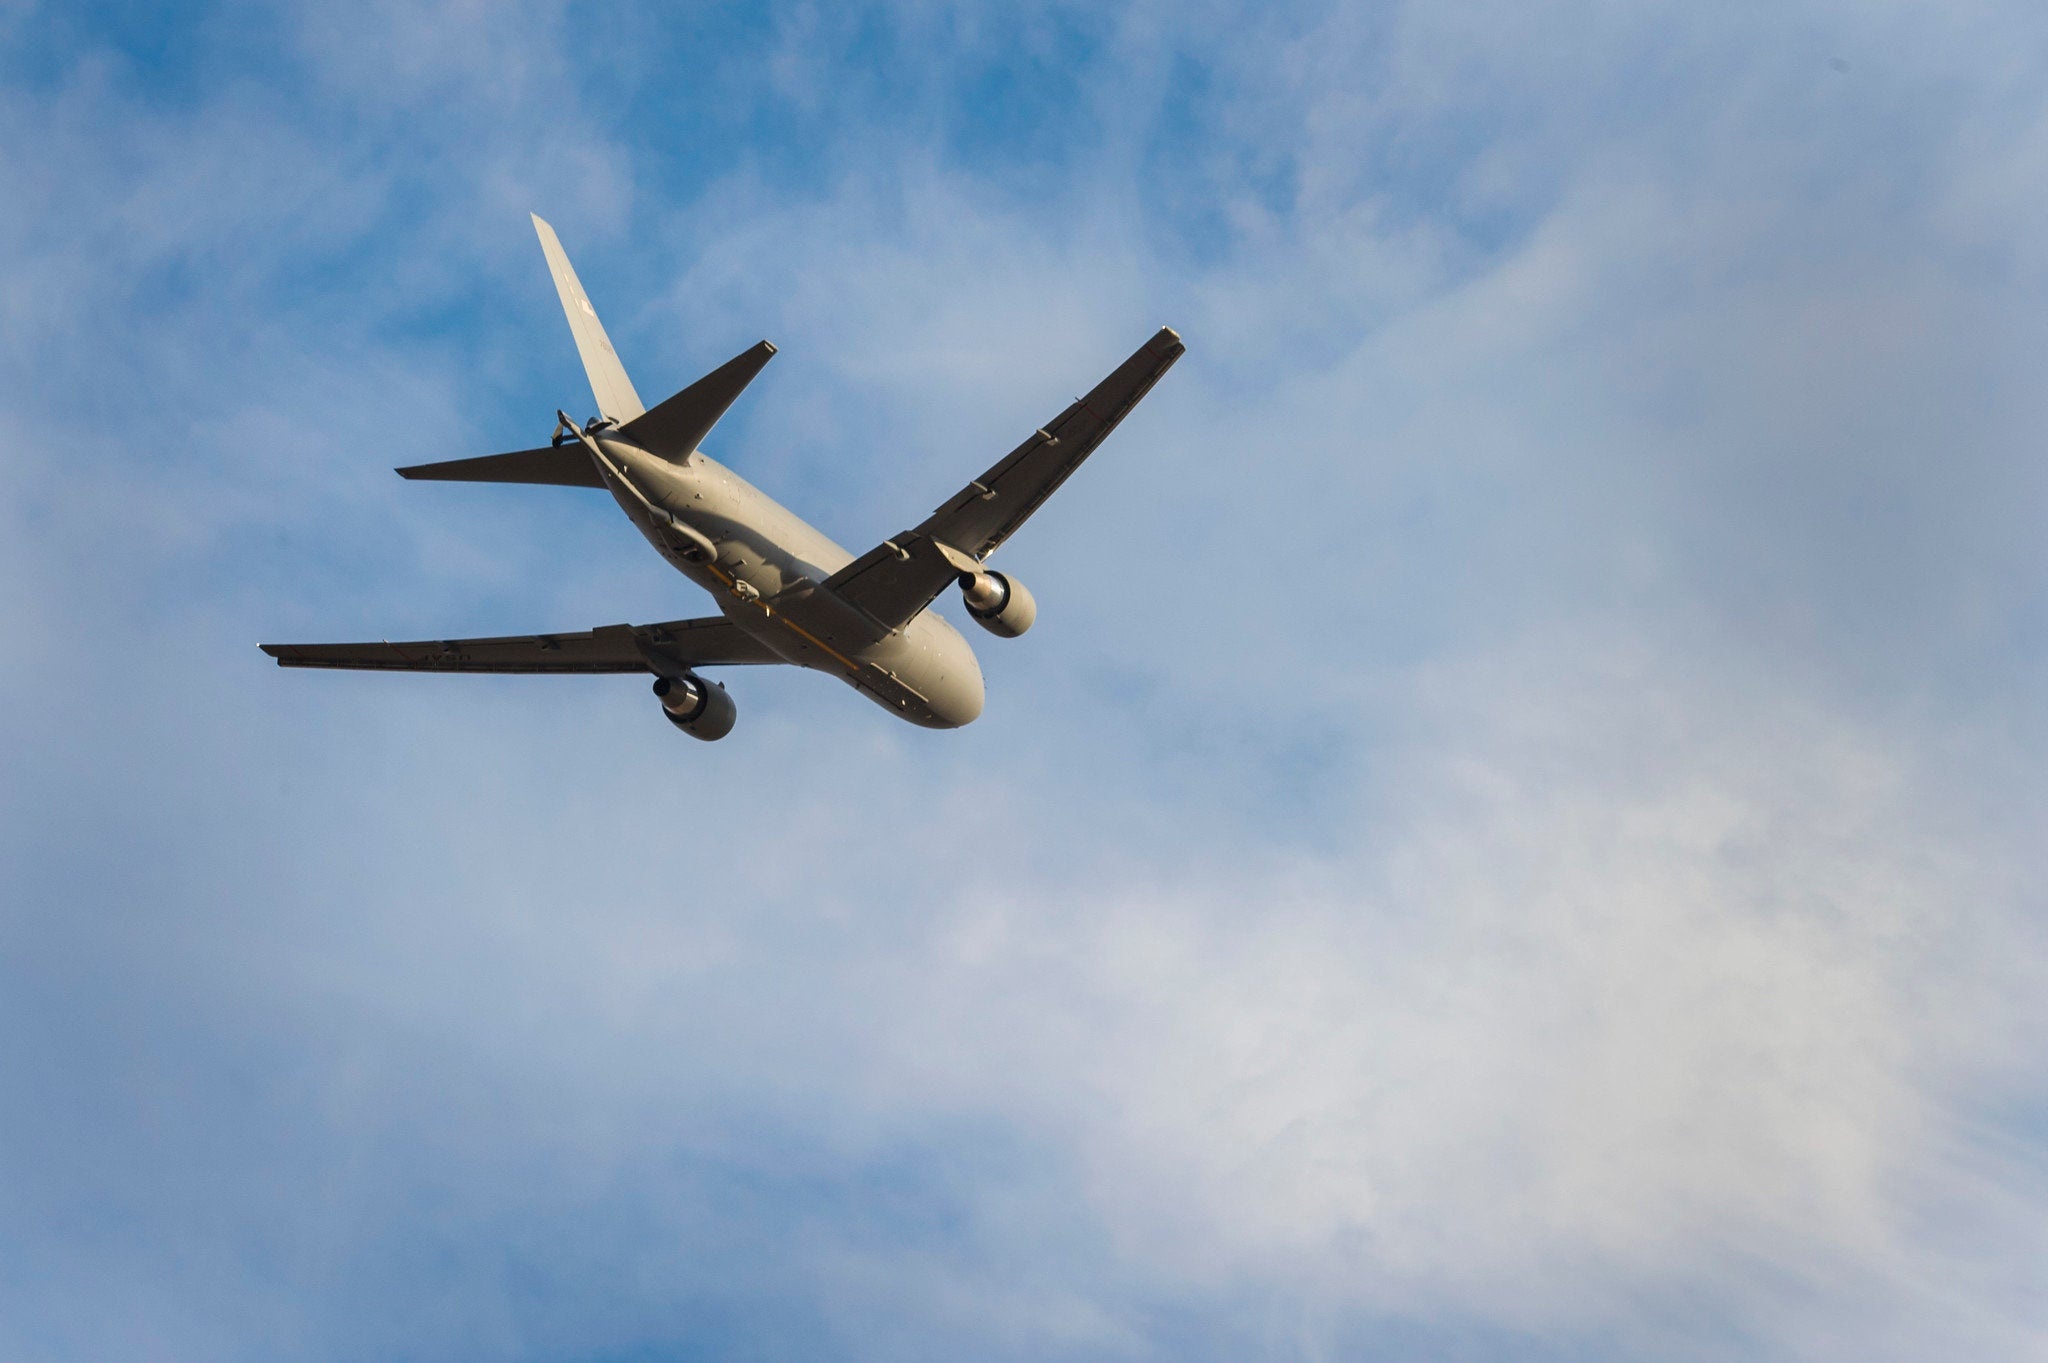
pixel 767 568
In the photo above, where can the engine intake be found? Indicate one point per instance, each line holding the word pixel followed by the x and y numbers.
pixel 699 708
pixel 999 604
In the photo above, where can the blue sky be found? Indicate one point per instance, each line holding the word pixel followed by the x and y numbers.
pixel 1517 834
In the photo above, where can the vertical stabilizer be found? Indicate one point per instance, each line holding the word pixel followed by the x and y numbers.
pixel 608 382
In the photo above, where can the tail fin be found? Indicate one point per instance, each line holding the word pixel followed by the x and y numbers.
pixel 608 382
pixel 677 425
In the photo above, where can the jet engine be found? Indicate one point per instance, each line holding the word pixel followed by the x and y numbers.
pixel 699 708
pixel 998 604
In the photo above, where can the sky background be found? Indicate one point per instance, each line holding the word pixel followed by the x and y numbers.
pixel 1518 834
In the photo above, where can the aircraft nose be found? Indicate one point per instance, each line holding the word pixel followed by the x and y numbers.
pixel 956 692
pixel 958 699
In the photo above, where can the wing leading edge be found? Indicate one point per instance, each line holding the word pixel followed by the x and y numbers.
pixel 897 579
pixel 662 648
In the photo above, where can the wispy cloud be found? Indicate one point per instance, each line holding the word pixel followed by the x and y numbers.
pixel 1515 835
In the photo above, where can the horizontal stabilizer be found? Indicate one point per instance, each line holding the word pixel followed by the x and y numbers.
pixel 674 428
pixel 561 465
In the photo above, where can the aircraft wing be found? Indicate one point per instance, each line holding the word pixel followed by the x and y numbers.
pixel 898 578
pixel 710 642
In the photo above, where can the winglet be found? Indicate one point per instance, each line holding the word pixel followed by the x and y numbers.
pixel 608 382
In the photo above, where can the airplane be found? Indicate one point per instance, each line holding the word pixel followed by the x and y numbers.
pixel 785 592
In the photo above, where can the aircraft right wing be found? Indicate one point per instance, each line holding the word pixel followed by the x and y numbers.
pixel 713 641
pixel 897 579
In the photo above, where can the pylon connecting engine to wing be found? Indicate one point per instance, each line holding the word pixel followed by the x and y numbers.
pixel 699 708
pixel 999 604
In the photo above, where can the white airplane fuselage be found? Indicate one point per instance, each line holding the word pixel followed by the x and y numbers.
pixel 786 593
pixel 766 567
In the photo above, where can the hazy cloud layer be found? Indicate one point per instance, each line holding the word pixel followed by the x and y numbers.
pixel 1517 834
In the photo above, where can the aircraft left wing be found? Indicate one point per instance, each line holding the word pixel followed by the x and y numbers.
pixel 898 578
pixel 710 642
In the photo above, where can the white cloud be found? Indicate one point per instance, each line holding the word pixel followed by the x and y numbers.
pixel 1548 853
pixel 1622 989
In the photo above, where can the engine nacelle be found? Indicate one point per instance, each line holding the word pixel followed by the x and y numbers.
pixel 999 604
pixel 699 708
